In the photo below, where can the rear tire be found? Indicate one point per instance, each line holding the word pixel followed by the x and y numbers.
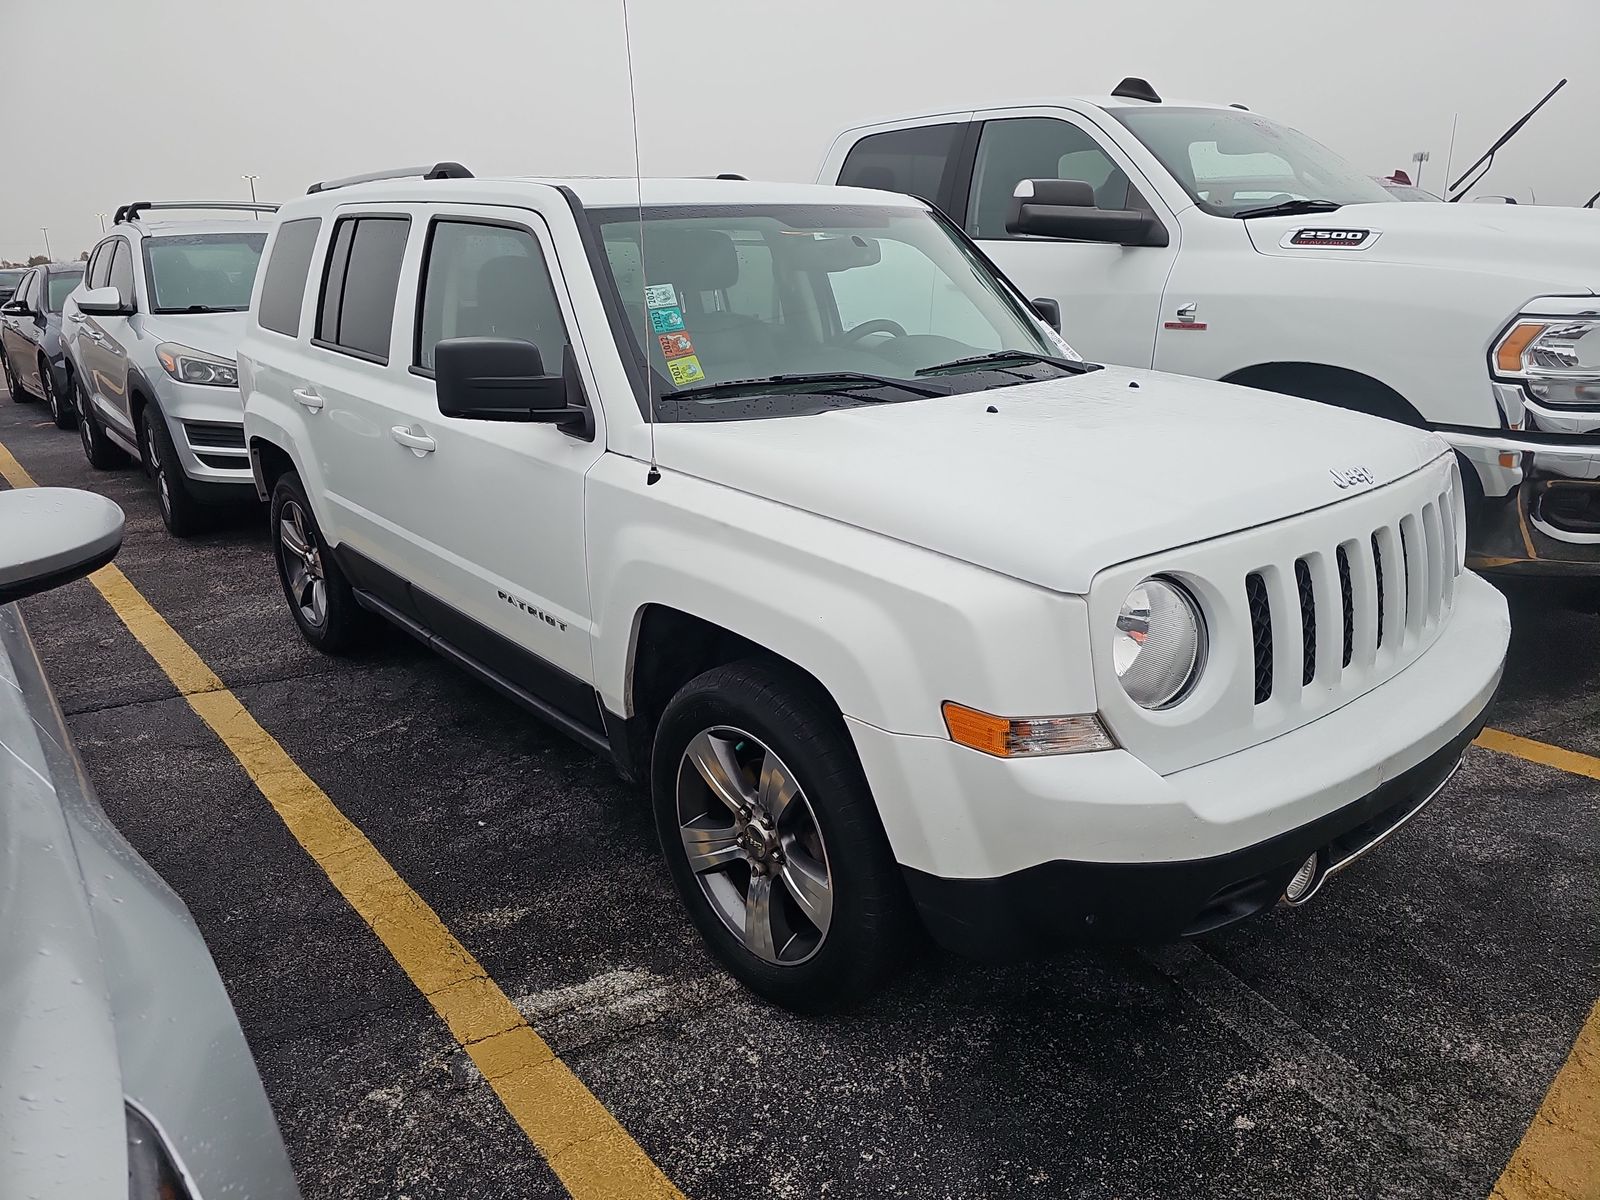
pixel 183 515
pixel 793 886
pixel 103 454
pixel 60 411
pixel 320 598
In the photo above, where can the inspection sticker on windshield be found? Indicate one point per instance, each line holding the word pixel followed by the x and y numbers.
pixel 675 345
pixel 1330 239
pixel 660 295
pixel 685 370
pixel 666 320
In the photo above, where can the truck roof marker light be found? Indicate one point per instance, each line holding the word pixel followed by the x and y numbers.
pixel 1014 737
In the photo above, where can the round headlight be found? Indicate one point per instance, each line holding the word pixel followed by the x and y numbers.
pixel 1160 643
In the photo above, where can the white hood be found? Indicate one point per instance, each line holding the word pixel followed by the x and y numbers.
pixel 1560 245
pixel 1067 477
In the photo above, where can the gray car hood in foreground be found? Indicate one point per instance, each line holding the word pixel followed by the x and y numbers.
pixel 106 989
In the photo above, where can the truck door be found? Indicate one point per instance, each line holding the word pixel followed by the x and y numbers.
pixel 1110 295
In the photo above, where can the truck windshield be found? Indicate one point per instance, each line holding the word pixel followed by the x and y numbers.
pixel 1232 162
pixel 211 272
pixel 854 303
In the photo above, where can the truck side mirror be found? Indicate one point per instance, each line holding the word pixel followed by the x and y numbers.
pixel 503 379
pixel 1065 209
pixel 1049 311
pixel 51 536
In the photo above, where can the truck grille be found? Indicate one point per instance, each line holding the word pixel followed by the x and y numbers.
pixel 1422 544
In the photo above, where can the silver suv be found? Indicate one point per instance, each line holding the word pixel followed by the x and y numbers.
pixel 149 338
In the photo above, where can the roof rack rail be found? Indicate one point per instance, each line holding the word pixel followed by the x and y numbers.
pixel 130 212
pixel 441 170
pixel 1134 88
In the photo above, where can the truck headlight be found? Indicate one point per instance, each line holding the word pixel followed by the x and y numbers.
pixel 188 365
pixel 1558 359
pixel 1160 643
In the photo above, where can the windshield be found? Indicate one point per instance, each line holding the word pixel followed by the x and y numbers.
pixel 211 272
pixel 848 298
pixel 1231 161
pixel 61 285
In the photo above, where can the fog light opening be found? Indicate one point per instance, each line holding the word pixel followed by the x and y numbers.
pixel 1303 882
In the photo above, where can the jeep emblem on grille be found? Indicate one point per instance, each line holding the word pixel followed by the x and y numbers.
pixel 1349 478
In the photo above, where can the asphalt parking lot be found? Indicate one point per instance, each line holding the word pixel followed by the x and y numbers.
pixel 1394 1038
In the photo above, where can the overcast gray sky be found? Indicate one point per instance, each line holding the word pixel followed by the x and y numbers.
pixel 109 101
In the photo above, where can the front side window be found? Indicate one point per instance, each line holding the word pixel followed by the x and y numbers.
pixel 1231 161
pixel 61 285
pixel 903 160
pixel 100 263
pixel 121 276
pixel 24 293
pixel 195 273
pixel 1036 148
pixel 359 286
pixel 488 281
pixel 811 300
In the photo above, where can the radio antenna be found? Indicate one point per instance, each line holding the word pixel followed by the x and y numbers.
pixel 644 281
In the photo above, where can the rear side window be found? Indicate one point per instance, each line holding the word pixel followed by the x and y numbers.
pixel 903 160
pixel 121 276
pixel 284 286
pixel 488 281
pixel 358 290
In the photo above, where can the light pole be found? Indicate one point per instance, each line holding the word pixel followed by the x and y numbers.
pixel 251 180
pixel 1420 157
pixel 46 233
pixel 102 217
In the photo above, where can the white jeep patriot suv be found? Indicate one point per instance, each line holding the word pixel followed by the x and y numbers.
pixel 900 608
pixel 1215 242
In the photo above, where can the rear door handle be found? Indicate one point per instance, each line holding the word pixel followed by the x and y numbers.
pixel 308 398
pixel 419 443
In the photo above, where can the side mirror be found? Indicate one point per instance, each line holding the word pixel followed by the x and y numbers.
pixel 51 536
pixel 14 308
pixel 1065 209
pixel 104 302
pixel 1048 310
pixel 503 379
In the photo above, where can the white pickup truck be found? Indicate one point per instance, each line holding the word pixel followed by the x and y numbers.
pixel 1208 240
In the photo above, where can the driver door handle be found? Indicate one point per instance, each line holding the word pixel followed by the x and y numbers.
pixel 308 398
pixel 421 443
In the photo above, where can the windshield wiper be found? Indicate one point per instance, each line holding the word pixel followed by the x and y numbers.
pixel 1289 208
pixel 1000 356
pixel 203 308
pixel 830 380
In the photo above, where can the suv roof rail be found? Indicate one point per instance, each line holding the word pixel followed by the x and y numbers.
pixel 440 170
pixel 1133 88
pixel 130 212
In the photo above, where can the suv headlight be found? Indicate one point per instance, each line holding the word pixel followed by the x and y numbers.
pixel 1160 643
pixel 188 365
pixel 1558 359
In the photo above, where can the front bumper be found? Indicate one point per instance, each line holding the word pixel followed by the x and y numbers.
pixel 207 428
pixel 1101 845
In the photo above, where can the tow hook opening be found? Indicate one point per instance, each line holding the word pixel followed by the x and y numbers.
pixel 1304 882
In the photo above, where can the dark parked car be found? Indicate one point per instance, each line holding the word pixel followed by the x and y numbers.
pixel 9 278
pixel 30 338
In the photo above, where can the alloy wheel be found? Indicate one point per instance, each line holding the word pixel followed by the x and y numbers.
pixel 49 389
pixel 85 434
pixel 754 845
pixel 302 565
pixel 158 469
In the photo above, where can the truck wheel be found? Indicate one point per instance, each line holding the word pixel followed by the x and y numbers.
pixel 183 515
pixel 60 411
pixel 103 454
pixel 319 595
pixel 773 839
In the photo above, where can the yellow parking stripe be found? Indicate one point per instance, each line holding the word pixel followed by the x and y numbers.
pixel 592 1155
pixel 1540 752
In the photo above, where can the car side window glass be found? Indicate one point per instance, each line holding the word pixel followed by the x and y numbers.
pixel 121 276
pixel 357 312
pixel 1036 148
pixel 913 160
pixel 488 281
pixel 100 265
pixel 283 288
pixel 25 289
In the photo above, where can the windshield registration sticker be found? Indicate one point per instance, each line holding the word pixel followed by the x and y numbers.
pixel 685 370
pixel 675 345
pixel 660 295
pixel 666 320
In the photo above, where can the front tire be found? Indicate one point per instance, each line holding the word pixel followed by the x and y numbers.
pixel 773 839
pixel 103 454
pixel 320 598
pixel 183 515
pixel 60 411
pixel 12 385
